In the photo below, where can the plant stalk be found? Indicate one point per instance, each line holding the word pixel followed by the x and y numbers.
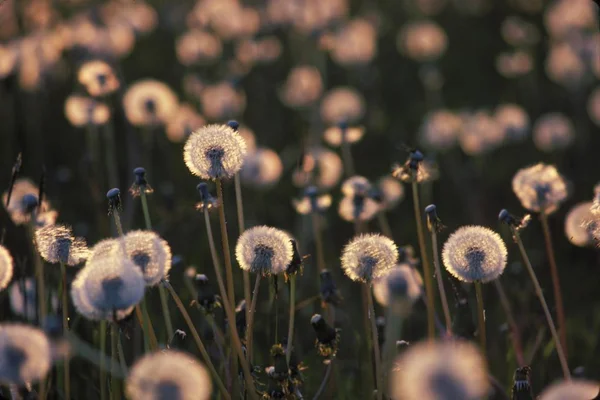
pixel 376 351
pixel 114 383
pixel 288 350
pixel 481 317
pixel 515 333
pixel 250 327
pixel 239 202
pixel 65 323
pixel 440 282
pixel 103 359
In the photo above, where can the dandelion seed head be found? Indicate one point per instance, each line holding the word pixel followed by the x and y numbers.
pixel 355 43
pixel 580 224
pixel 222 101
pixel 6 267
pixel 553 131
pixel 320 167
pixel 312 203
pixel 172 375
pixel 24 199
pixel 98 77
pixel 400 284
pixel 474 253
pixel 214 152
pixel 185 121
pixel 564 17
pixel 358 208
pixel 392 192
pixel 426 170
pixel 356 185
pixel 302 87
pixel 25 354
pixel 480 134
pixel 440 130
pixel 440 371
pixel 565 66
pixel 83 111
pixel 540 188
pixel 342 105
pixel 513 120
pixel 514 64
pixel 198 47
pixel 368 256
pixel 149 252
pixel 149 102
pixel 265 250
pixel 56 244
pixel 338 134
pixel 517 32
pixel 262 168
pixel 577 389
pixel 422 41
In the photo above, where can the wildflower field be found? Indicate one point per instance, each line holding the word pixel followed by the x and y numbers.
pixel 300 199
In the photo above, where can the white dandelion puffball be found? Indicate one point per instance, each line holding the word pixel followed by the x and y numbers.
pixel 25 354
pixel 474 253
pixel 150 253
pixel 22 296
pixel 446 370
pixel 168 375
pixel 6 267
pixel 577 389
pixel 402 282
pixel 580 223
pixel 264 250
pixel 540 188
pixel 56 244
pixel 368 256
pixel 214 152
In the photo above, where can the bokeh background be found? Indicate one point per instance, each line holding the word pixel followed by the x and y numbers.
pixel 481 87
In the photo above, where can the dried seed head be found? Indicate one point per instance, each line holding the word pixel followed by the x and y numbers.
pixel 354 44
pixel 474 253
pixel 168 375
pixel 207 200
pixel 440 130
pixel 399 286
pixel 302 87
pixel 198 47
pixel 358 208
pixel 312 202
pixel 440 370
pixel 149 252
pixel 6 267
pixel 513 120
pixel 22 296
pixel 264 250
pixel 422 41
pixel 262 168
pixel 149 102
pixel 540 188
pixel 114 200
pixel 214 152
pixel 367 257
pixel 24 200
pixel 342 105
pixel 56 244
pixel 577 389
pixel 580 224
pixel 416 168
pixel 25 354
pixel 481 133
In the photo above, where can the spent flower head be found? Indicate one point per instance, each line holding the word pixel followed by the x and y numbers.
pixel 56 244
pixel 368 256
pixel 474 253
pixel 265 250
pixel 553 131
pixel 84 111
pixel 140 184
pixel 415 169
pixel 6 267
pixel 207 200
pixel 320 167
pixel 262 168
pixel 341 133
pixel 114 201
pixel 24 203
pixel 342 105
pixel 312 202
pixel 98 77
pixel 328 338
pixel 25 354
pixel 540 188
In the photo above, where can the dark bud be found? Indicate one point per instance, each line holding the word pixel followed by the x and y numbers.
pixel 114 200
pixel 280 367
pixel 507 218
pixel 176 260
pixel 415 158
pixel 434 223
pixel 296 263
pixel 140 176
pixel 329 291
pixel 150 106
pixel 401 345
pixel 380 323
pixel 140 184
pixel 312 192
pixel 343 126
pixel 233 124
pixel 240 318
pixel 207 297
pixel 207 200
pixel 325 333
pixel 521 389
pixel 30 202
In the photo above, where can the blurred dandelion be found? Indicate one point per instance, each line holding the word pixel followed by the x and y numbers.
pixel 302 87
pixel 422 41
pixel 262 168
pixel 185 121
pixel 221 101
pixel 214 152
pixel 338 135
pixel 24 204
pixel 440 130
pixel 264 250
pixel 320 167
pixel 400 284
pixel 84 111
pixel 23 299
pixel 513 120
pixel 168 375
pixel 427 170
pixel 358 204
pixel 354 44
pixel 149 252
pixel 514 64
pixel 342 105
pixel 368 256
pixel 198 47
pixel 580 224
pixel 25 354
pixel 391 192
pixel 312 202
pixel 577 389
pixel 98 78
pixel 564 66
pixel 564 17
pixel 593 106
pixel 553 131
pixel 6 267
pixel 440 370
pixel 258 51
pixel 480 134
pixel 8 60
pixel 149 102
pixel 540 188
pixel 56 244
pixel 518 32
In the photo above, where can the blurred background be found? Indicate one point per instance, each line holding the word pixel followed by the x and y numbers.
pixel 89 90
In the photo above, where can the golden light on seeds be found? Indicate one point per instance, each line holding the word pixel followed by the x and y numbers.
pixel 197 46
pixel 355 43
pixel 342 104
pixel 422 41
pixel 98 78
pixel 221 101
pixel 149 102
pixel 302 87
pixel 83 111
pixel 564 66
pixel 185 121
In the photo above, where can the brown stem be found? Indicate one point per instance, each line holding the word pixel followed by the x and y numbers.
pixel 252 308
pixel 481 318
pixel 376 350
pixel 440 282
pixel 515 333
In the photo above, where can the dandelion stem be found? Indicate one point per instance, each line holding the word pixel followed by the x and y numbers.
pixel 324 382
pixel 150 342
pixel 393 331
pixel 147 326
pixel 118 224
pixel 480 317
pixel 114 383
pixel 288 350
pixel 440 282
pixel 121 355
pixel 103 359
pixel 425 261
pixel 558 301
pixel 515 334
pixel 144 199
pixel 197 339
pixel 384 224
pixel 376 351
pixel 84 350
pixel 318 241
pixel 347 156
pixel 65 323
pixel 220 340
pixel 540 294
pixel 250 327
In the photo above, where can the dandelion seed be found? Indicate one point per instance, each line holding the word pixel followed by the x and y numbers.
pixel 214 152
pixel 474 253
pixel 540 188
pixel 440 371
pixel 84 111
pixel 24 201
pixel 6 267
pixel 342 105
pixel 264 250
pixel 185 121
pixel 337 135
pixel 320 167
pixel 553 131
pixel 25 354
pixel 400 284
pixel 422 41
pixel 302 87
pixel 577 389
pixel 440 130
pixel 580 224
pixel 367 257
pixel 56 244
pixel 168 375
pixel 262 168
pixel 98 77
pixel 149 102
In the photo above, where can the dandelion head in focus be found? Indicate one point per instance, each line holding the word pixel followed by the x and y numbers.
pixel 320 167
pixel 342 105
pixel 221 101
pixel 302 87
pixel 422 41
pixel 262 168
pixel 185 121
pixel 513 120
pixel 577 389
pixel 338 134
pixel 440 130
pixel 445 370
pixel 198 47
pixel 264 250
pixel 56 244
pixel 540 188
pixel 171 375
pixel 391 192
pixel 98 78
pixel 474 254
pixel 25 354
pixel 214 152
pixel 514 64
pixel 150 253
pixel 24 202
pixel 149 102
pixel 84 111
pixel 6 267
pixel 552 132
pixel 398 287
pixel 366 257
pixel 580 224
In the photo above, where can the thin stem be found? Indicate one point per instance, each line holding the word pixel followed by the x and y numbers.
pixel 376 351
pixel 150 342
pixel 250 327
pixel 318 241
pixel 347 157
pixel 558 301
pixel 220 340
pixel 239 202
pixel 288 350
pixel 440 282
pixel 197 339
pixel 103 359
pixel 91 354
pixel 144 199
pixel 39 272
pixel 540 294
pixel 324 381
pixel 65 322
pixel 147 325
pixel 480 317
pixel 515 334
pixel 114 383
pixel 121 355
pixel 430 295
pixel 118 224
pixel 384 224
pixel 393 331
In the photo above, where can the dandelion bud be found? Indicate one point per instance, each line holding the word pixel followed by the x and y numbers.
pixel 30 203
pixel 206 296
pixel 264 250
pixel 25 354
pixel 327 337
pixel 434 223
pixel 368 256
pixel 140 184
pixel 240 318
pixel 297 260
pixel 540 188
pixel 279 370
pixel 329 292
pixel 114 200
pixel 505 217
pixel 521 389
pixel 6 267
pixel 474 253
pixel 233 124
pixel 577 389
pixel 56 244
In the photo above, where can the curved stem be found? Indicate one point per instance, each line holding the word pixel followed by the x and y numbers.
pixel 65 323
pixel 481 317
pixel 91 354
pixel 376 351
pixel 288 350
pixel 239 202
pixel 440 282
pixel 515 334
pixel 324 382
pixel 250 327
pixel 430 296
pixel 540 294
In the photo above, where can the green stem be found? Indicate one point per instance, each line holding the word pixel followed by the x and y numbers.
pixel 65 322
pixel 376 351
pixel 430 295
pixel 103 359
pixel 121 355
pixel 515 334
pixel 114 383
pixel 384 225
pixel 144 199
pixel 118 224
pixel 288 350
pixel 540 294
pixel 481 317
pixel 393 332
pixel 440 282
pixel 347 157
pixel 91 354
pixel 148 328
pixel 250 327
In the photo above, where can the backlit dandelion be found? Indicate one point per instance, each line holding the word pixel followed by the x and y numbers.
pixel 580 224
pixel 150 253
pixel 149 102
pixel 320 167
pixel 422 41
pixel 564 17
pixel 391 192
pixel 25 354
pixel 440 130
pixel 265 250
pixel 540 188
pixel 514 64
pixel 440 371
pixel 577 389
pixel 22 296
pixel 513 120
pixel 342 105
pixel 168 375
pixel 423 171
pixel 358 208
pixel 198 47
pixel 400 283
pixel 214 152
pixel 368 256
pixel 338 134
pixel 312 202
pixel 262 168
pixel 553 131
pixel 57 244
pixel 302 87
pixel 474 253
pixel 221 101
pixel 517 32
pixel 83 111
pixel 480 134
pixel 6 267
pixel 98 77
pixel 355 43
pixel 24 201
pixel 564 65
pixel 185 121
